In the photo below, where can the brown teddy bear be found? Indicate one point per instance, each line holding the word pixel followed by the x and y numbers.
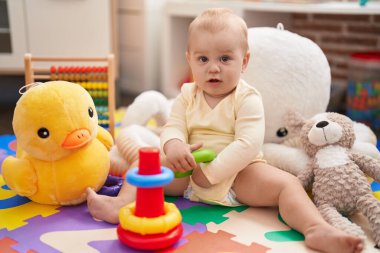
pixel 337 175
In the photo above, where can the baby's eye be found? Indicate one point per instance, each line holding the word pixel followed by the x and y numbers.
pixel 225 58
pixel 203 59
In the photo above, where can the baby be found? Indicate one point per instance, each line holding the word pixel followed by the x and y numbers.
pixel 220 111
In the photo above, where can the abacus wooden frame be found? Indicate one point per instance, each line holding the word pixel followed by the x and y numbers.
pixel 37 73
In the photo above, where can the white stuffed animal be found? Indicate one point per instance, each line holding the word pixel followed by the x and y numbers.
pixel 148 105
pixel 292 74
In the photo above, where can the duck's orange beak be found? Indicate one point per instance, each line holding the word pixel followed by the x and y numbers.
pixel 76 139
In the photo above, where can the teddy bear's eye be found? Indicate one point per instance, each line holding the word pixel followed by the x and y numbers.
pixel 90 112
pixel 282 132
pixel 43 133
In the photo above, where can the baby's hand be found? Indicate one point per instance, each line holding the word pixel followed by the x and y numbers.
pixel 178 155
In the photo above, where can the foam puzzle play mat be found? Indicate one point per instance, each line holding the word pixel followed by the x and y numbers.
pixel 29 227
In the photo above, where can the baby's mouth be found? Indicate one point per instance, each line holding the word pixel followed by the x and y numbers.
pixel 214 80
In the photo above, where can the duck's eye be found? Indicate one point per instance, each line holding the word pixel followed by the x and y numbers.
pixel 282 132
pixel 43 133
pixel 90 112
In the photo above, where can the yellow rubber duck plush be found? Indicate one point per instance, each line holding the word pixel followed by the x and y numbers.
pixel 61 150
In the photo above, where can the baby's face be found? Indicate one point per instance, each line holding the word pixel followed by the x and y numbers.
pixel 217 60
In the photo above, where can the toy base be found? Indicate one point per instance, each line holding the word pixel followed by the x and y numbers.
pixel 149 242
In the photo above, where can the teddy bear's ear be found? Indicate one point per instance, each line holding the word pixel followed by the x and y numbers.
pixel 294 121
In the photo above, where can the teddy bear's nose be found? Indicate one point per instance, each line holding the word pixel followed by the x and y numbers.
pixel 322 124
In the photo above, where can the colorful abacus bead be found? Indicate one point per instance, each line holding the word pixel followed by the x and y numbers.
pixel 53 75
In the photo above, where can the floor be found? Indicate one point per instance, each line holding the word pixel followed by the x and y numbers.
pixel 26 226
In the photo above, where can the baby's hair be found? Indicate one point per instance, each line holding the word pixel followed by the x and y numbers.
pixel 217 19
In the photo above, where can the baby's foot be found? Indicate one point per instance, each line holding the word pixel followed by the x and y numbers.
pixel 104 207
pixel 331 240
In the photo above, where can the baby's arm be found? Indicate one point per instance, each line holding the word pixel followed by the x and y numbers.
pixel 249 137
pixel 174 137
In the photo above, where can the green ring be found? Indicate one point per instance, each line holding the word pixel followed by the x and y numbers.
pixel 200 156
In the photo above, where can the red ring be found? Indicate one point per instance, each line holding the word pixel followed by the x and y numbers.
pixel 149 242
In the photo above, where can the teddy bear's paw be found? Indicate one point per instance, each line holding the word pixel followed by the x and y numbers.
pixel 334 218
pixel 376 236
pixel 353 229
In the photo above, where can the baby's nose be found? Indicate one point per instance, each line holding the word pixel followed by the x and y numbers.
pixel 214 68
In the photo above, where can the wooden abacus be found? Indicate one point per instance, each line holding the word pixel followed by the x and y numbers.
pixel 98 80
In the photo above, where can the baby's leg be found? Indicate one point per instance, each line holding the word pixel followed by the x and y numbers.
pixel 107 208
pixel 178 185
pixel 263 185
pixel 128 143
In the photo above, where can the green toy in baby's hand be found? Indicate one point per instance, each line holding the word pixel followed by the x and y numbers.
pixel 200 156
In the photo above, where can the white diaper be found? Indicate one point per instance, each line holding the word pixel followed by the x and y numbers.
pixel 228 200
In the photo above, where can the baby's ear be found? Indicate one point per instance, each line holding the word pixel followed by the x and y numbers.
pixel 247 56
pixel 294 121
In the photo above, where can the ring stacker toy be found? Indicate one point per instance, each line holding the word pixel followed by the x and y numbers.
pixel 149 223
pixel 200 156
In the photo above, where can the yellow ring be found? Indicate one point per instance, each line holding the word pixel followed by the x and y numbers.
pixel 144 226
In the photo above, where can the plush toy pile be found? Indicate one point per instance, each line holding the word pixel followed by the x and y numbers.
pixel 291 73
pixel 336 174
pixel 61 150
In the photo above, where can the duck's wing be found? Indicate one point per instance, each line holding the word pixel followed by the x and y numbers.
pixel 105 137
pixel 20 176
